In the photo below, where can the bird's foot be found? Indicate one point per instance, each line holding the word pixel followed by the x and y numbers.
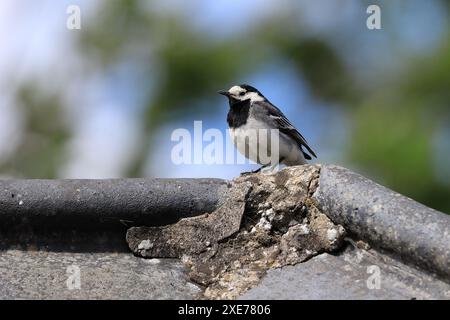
pixel 245 173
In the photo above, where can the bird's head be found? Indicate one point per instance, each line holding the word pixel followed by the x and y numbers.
pixel 243 92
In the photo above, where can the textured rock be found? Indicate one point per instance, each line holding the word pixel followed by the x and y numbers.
pixel 191 235
pixel 44 275
pixel 279 225
pixel 105 204
pixel 267 221
pixel 386 219
pixel 347 276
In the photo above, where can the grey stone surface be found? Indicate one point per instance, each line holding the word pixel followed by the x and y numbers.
pixel 43 275
pixel 103 204
pixel 386 219
pixel 266 221
pixel 58 224
pixel 346 276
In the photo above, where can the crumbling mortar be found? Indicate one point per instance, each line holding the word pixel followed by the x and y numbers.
pixel 278 225
pixel 314 182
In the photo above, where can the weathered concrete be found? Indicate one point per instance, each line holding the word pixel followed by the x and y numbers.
pixel 191 235
pixel 44 275
pixel 386 219
pixel 277 220
pixel 103 204
pixel 267 221
pixel 93 215
pixel 349 275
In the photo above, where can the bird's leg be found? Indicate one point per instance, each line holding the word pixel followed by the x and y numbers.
pixel 270 169
pixel 254 171
pixel 259 169
pixel 273 168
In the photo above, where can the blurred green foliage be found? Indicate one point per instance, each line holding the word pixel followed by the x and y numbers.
pixel 392 124
pixel 41 150
pixel 394 129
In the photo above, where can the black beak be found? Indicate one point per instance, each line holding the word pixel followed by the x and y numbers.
pixel 224 93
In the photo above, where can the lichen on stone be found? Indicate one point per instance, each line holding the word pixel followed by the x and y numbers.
pixel 267 221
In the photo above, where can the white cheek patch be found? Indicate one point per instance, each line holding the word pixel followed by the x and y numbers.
pixel 253 96
pixel 235 90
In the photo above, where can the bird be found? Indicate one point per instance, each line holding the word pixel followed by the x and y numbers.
pixel 250 114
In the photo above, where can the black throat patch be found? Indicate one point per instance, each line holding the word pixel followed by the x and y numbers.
pixel 238 114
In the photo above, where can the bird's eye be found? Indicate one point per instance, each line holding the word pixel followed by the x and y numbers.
pixel 242 93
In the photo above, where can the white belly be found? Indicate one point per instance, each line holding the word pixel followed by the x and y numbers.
pixel 248 144
pixel 260 145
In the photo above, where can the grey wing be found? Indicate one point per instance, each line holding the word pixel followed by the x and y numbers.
pixel 279 121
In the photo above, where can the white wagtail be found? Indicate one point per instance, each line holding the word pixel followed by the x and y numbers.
pixel 250 112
